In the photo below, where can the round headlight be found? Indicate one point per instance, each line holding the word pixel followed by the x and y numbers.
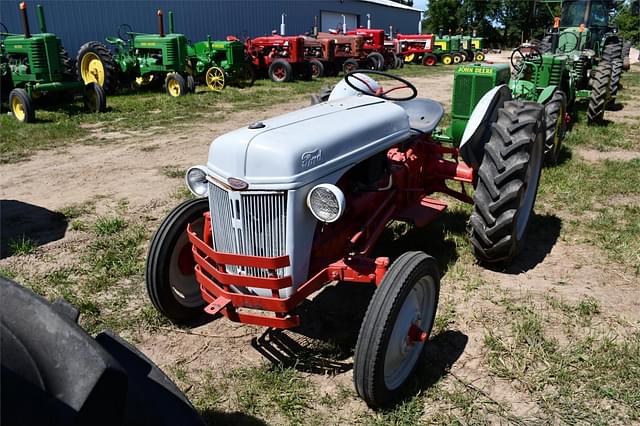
pixel 197 181
pixel 326 202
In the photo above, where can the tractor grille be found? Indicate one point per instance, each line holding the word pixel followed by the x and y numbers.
pixel 461 102
pixel 249 223
pixel 38 55
pixel 172 52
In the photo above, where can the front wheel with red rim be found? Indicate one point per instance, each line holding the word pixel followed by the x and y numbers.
pixel 395 328
pixel 429 60
pixel 280 71
pixel 170 277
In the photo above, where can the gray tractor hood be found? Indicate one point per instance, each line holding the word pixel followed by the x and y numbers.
pixel 291 150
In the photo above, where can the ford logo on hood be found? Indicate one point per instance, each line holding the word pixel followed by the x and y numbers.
pixel 237 184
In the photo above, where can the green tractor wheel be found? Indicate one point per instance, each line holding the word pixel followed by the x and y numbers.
pixel 175 85
pixel 554 111
pixel 215 79
pixel 21 106
pixel 95 64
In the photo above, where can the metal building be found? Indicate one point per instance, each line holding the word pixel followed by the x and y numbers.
pixel 79 21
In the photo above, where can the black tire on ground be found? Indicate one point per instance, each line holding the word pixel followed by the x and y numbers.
pixel 612 53
pixel 403 306
pixel 616 73
pixel 471 55
pixel 21 106
pixel 111 69
pixel 350 65
pixel 600 92
pixel 246 76
pixel 394 62
pixel 175 85
pixel 95 100
pixel 191 84
pixel 317 68
pixel 507 183
pixel 457 58
pixel 169 275
pixel 554 112
pixel 429 59
pixel 446 59
pixel 626 49
pixel 280 71
pixel 377 59
pixel 479 56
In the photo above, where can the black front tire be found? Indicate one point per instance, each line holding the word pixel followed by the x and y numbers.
pixel 170 259
pixel 95 99
pixel 21 106
pixel 175 85
pixel 377 59
pixel 317 68
pixel 385 354
pixel 350 65
pixel 556 127
pixel 507 184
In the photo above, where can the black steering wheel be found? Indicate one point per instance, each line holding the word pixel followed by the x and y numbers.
pixel 525 53
pixel 123 32
pixel 380 93
pixel 564 48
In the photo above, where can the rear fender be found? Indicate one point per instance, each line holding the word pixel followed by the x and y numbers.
pixel 547 94
pixel 478 130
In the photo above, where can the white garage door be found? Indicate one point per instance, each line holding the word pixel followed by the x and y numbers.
pixel 333 20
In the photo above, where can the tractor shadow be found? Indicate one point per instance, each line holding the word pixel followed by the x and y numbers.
pixel 21 221
pixel 542 235
pixel 324 343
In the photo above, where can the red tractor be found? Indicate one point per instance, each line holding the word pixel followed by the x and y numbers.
pixel 320 54
pixel 282 57
pixel 348 53
pixel 264 235
pixel 381 51
pixel 417 48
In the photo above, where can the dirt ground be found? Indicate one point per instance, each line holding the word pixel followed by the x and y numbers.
pixel 130 168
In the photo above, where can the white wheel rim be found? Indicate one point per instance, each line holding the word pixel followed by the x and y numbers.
pixel 531 181
pixel 401 355
pixel 184 287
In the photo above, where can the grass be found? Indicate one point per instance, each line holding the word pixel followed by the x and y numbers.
pixel 132 113
pixel 22 246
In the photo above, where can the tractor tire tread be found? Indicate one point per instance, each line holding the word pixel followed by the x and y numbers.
pixel 111 68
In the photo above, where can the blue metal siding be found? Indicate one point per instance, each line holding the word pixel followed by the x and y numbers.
pixel 79 21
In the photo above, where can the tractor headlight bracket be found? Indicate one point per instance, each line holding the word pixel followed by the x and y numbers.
pixel 326 202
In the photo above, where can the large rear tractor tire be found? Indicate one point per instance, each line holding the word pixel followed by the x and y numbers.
pixel 175 85
pixel 246 76
pixel 170 276
pixel 21 106
pixel 508 180
pixel 280 71
pixel 626 61
pixel 377 59
pixel 429 60
pixel 95 64
pixel 68 64
pixel 600 92
pixel 349 66
pixel 556 126
pixel 395 328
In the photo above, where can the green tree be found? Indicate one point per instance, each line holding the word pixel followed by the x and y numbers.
pixel 628 20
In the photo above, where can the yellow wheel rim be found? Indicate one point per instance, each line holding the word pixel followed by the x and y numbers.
pixel 91 69
pixel 409 58
pixel 456 59
pixel 18 109
pixel 479 57
pixel 174 87
pixel 215 79
pixel 446 60
pixel 144 80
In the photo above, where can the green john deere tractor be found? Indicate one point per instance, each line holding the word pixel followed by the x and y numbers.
pixel 35 66
pixel 448 49
pixel 593 50
pixel 138 59
pixel 472 46
pixel 219 63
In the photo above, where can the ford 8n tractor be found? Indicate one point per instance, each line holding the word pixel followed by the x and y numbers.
pixel 281 57
pixel 139 59
pixel 34 66
pixel 264 235
pixel 417 48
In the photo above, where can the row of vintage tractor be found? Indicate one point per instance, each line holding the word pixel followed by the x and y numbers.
pixel 37 66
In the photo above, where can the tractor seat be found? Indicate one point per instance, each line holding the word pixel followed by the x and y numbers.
pixel 424 114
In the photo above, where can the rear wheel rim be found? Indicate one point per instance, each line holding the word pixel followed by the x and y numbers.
pixel 182 280
pixel 402 354
pixel 174 87
pixel 446 60
pixel 315 70
pixel 91 69
pixel 18 110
